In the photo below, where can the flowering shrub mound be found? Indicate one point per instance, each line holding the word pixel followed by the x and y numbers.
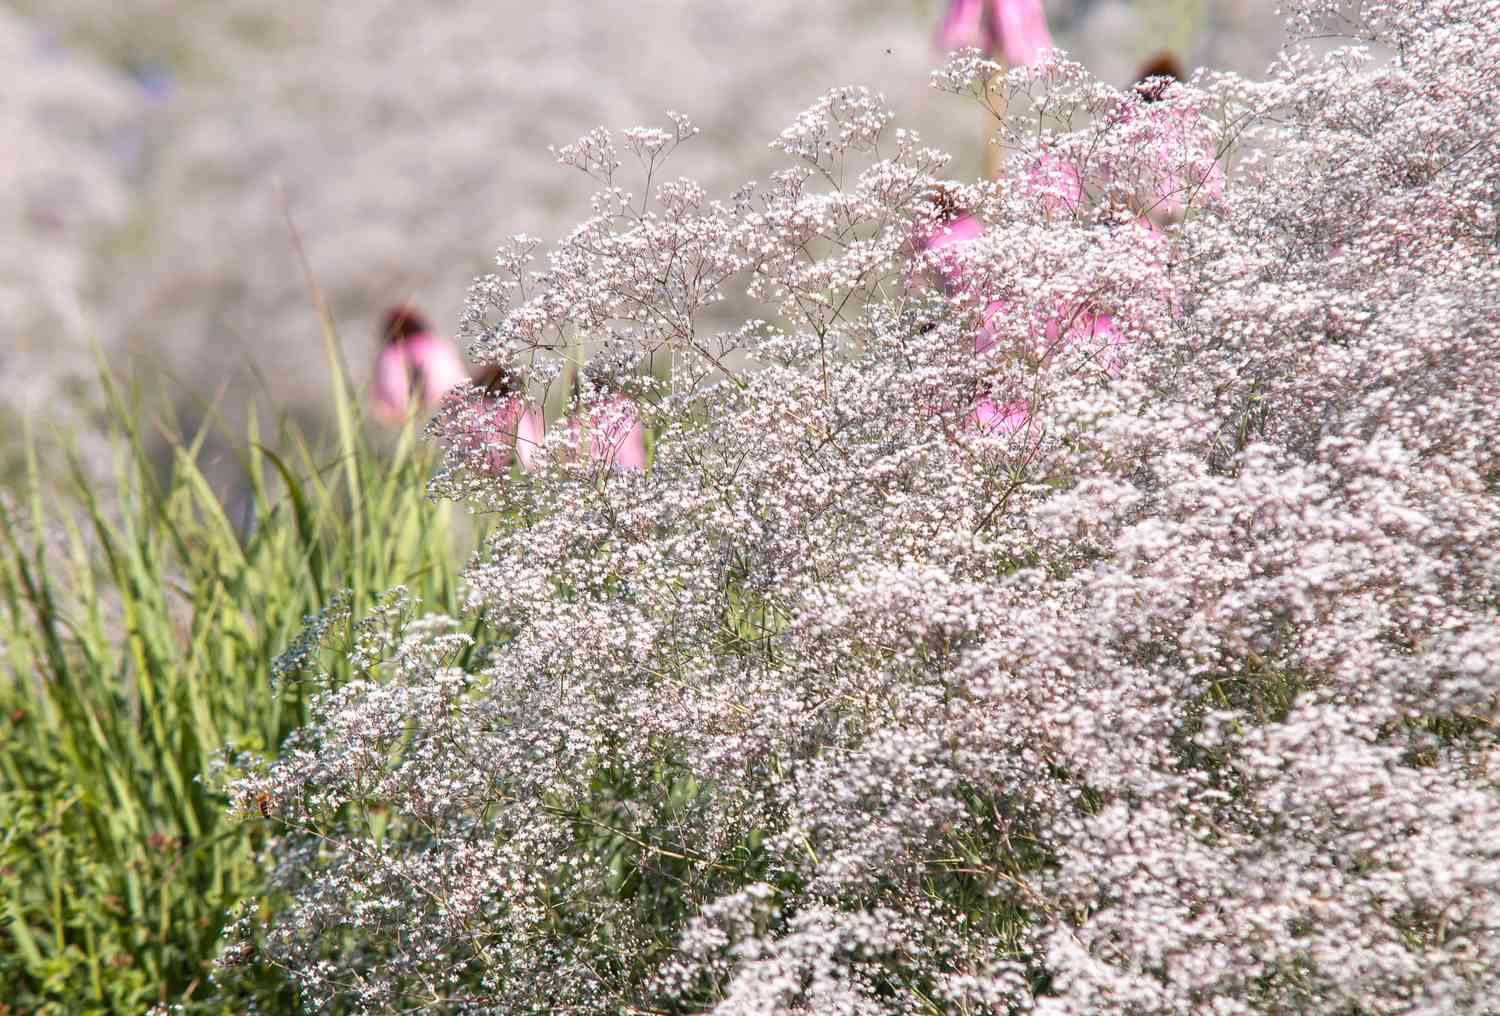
pixel 1166 684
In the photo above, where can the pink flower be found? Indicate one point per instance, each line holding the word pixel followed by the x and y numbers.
pixel 1185 160
pixel 503 426
pixel 1107 340
pixel 1020 31
pixel 414 360
pixel 1065 328
pixel 615 436
pixel 1056 182
pixel 1013 30
pixel 990 419
pixel 514 427
pixel 1156 76
pixel 987 337
pixel 1098 331
pixel 963 26
pixel 961 229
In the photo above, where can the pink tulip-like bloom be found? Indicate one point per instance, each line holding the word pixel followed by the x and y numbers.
pixel 1014 30
pixel 1073 325
pixel 1059 186
pixel 1184 162
pixel 1020 29
pixel 615 434
pixel 1105 341
pixel 414 361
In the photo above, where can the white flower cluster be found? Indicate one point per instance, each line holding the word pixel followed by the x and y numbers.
pixel 1078 595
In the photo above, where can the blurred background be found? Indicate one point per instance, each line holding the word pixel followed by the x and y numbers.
pixel 155 150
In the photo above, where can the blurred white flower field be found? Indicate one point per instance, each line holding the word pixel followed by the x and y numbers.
pixel 157 149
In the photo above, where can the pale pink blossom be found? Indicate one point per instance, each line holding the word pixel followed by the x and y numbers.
pixel 1105 340
pixel 992 420
pixel 1096 331
pixel 1185 157
pixel 963 26
pixel 1069 326
pixel 958 230
pixel 505 427
pixel 1014 30
pixel 1070 323
pixel 615 434
pixel 1187 162
pixel 1056 182
pixel 515 427
pixel 414 361
pixel 988 335
pixel 1020 30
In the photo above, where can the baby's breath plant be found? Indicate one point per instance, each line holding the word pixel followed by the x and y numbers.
pixel 1170 688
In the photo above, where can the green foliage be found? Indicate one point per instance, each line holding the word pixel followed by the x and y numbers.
pixel 138 624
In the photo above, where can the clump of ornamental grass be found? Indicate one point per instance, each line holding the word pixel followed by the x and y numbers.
pixel 140 612
pixel 1078 594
